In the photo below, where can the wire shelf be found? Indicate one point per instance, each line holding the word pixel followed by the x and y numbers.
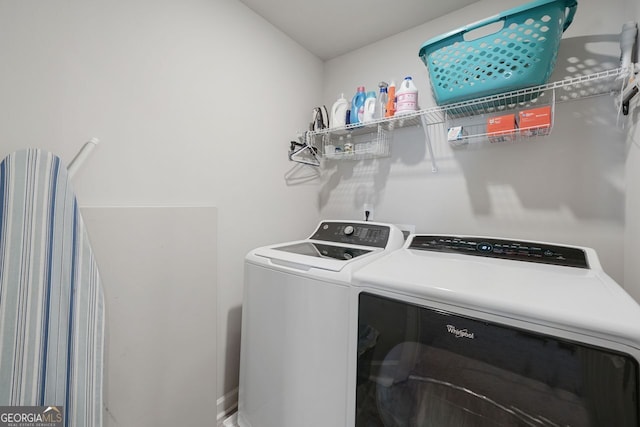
pixel 569 89
pixel 357 146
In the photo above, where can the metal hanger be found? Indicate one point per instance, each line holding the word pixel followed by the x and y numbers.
pixel 303 152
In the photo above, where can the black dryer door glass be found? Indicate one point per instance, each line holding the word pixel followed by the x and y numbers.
pixel 424 367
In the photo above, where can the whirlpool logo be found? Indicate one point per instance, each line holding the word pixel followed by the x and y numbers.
pixel 460 333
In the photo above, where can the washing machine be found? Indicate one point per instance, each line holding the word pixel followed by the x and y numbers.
pixel 296 320
pixel 476 331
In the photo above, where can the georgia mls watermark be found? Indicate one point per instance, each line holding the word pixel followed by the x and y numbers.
pixel 31 416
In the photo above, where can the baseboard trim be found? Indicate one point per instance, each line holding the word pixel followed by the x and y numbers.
pixel 227 405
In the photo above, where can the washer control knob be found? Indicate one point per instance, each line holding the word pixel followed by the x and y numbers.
pixel 348 230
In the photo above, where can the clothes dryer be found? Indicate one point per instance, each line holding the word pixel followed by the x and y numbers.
pixel 476 331
pixel 296 321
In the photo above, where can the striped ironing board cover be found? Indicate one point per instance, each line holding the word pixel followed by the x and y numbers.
pixel 51 300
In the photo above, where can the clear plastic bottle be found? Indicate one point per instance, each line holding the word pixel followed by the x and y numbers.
pixel 381 103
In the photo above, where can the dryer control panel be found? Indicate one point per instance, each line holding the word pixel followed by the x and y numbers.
pixel 353 233
pixel 503 249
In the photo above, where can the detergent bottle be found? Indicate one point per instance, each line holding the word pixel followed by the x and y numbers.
pixel 357 106
pixel 391 101
pixel 369 107
pixel 406 97
pixel 339 112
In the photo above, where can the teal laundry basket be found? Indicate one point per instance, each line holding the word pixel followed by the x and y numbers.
pixel 519 51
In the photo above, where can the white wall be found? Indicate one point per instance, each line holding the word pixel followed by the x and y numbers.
pixel 194 101
pixel 567 188
pixel 160 317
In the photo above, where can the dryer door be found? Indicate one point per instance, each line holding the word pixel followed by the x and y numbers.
pixel 424 367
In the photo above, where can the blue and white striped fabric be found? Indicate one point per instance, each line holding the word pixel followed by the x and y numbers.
pixel 51 301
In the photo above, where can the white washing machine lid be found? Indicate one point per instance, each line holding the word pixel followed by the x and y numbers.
pixel 334 246
pixel 309 254
pixel 584 299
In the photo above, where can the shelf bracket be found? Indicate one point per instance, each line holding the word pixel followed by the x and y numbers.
pixel 425 128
